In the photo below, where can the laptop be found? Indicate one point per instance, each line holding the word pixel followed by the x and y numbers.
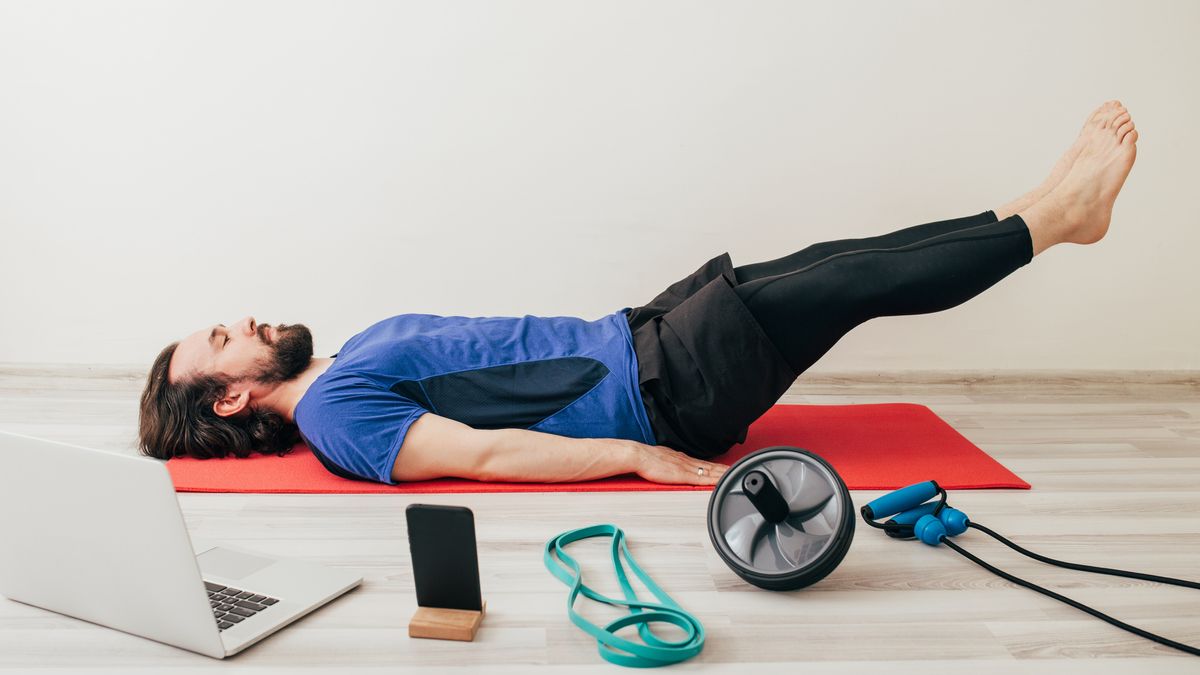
pixel 99 536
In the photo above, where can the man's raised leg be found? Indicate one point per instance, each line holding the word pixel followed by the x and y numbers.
pixel 806 311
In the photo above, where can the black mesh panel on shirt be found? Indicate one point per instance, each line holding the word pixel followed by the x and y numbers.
pixel 516 395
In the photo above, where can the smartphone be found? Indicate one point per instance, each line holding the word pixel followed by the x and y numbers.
pixel 445 563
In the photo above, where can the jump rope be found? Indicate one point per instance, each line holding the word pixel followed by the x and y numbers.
pixel 912 516
pixel 796 495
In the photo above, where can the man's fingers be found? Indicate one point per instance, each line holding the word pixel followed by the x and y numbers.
pixel 711 473
pixel 679 467
pixel 703 472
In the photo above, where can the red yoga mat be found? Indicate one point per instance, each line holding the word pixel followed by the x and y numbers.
pixel 878 446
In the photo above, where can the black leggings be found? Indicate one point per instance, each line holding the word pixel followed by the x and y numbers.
pixel 808 300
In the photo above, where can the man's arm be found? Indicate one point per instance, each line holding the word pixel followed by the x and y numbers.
pixel 438 446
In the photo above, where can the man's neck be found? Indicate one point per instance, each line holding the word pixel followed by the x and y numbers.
pixel 284 399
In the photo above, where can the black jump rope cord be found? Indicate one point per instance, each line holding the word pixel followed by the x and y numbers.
pixel 1083 568
pixel 1076 604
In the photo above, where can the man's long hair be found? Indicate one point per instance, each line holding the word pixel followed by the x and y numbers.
pixel 177 420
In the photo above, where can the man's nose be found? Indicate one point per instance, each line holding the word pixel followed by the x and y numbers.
pixel 249 324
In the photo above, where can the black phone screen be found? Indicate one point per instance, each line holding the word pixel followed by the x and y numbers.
pixel 445 564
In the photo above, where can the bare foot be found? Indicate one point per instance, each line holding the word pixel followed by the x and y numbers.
pixel 1079 208
pixel 1061 167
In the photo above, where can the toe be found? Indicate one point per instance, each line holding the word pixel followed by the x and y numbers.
pixel 1107 115
pixel 1111 117
pixel 1119 120
pixel 1130 138
pixel 1124 129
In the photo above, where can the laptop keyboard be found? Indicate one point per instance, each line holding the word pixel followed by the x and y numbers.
pixel 232 606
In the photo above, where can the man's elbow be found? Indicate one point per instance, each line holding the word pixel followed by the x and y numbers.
pixel 487 456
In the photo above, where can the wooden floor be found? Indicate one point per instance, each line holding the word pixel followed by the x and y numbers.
pixel 1115 467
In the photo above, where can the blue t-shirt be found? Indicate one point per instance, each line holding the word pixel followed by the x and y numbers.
pixel 560 375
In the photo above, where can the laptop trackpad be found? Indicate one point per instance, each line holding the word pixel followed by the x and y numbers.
pixel 221 562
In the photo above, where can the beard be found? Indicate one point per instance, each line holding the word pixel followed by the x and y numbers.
pixel 291 354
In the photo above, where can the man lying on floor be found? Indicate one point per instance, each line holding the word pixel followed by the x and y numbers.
pixel 655 390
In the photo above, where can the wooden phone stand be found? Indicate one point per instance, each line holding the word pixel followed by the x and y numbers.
pixel 440 623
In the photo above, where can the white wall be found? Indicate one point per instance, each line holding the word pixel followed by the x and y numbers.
pixel 168 166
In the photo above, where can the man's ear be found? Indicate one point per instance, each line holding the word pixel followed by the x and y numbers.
pixel 235 400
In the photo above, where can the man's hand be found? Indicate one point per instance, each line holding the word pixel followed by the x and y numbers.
pixel 661 464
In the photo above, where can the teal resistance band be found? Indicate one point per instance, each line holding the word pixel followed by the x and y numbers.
pixel 615 649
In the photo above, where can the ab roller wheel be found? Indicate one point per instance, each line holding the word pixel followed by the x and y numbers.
pixel 781 518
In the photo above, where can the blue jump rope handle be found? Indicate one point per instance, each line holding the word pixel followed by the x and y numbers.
pixel 902 500
pixel 911 516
